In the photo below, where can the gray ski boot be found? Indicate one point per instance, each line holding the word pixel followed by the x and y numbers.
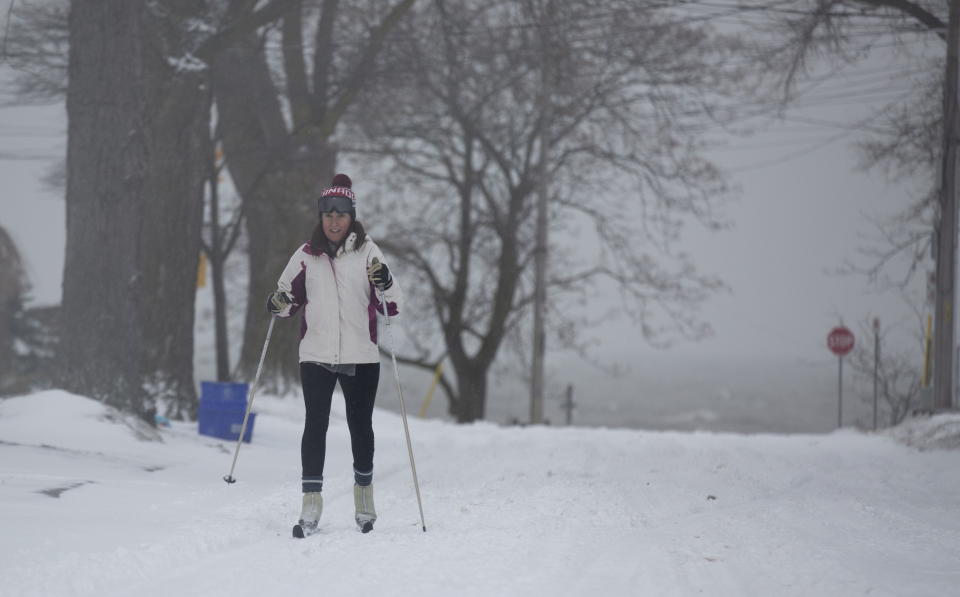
pixel 309 515
pixel 366 514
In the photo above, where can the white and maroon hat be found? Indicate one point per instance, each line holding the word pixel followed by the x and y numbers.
pixel 338 197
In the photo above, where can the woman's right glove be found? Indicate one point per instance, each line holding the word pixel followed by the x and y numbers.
pixel 277 301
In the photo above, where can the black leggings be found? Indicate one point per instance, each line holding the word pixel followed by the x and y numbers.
pixel 359 392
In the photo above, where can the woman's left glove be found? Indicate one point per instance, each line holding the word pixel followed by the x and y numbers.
pixel 277 301
pixel 379 275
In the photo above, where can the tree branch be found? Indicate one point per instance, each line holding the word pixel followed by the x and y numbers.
pixel 322 58
pixel 295 67
pixel 407 252
pixel 363 69
pixel 915 11
pixel 244 25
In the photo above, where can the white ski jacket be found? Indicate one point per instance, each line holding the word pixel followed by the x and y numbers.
pixel 339 303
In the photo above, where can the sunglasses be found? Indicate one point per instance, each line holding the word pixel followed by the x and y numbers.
pixel 331 204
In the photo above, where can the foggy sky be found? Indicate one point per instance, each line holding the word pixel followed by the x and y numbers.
pixel 794 222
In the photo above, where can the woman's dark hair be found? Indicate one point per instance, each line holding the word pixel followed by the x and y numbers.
pixel 320 244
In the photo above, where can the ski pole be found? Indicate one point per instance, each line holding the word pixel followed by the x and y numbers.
pixel 403 409
pixel 253 390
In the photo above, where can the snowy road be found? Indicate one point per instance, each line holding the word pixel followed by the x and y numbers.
pixel 87 509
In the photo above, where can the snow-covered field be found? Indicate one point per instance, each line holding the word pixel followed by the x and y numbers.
pixel 88 508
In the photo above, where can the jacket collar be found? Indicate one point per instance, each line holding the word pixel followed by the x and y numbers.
pixel 348 244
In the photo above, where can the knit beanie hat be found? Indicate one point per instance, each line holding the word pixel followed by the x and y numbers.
pixel 338 197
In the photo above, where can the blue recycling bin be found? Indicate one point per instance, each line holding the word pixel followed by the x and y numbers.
pixel 222 406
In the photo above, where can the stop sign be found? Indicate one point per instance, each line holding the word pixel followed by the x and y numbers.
pixel 840 341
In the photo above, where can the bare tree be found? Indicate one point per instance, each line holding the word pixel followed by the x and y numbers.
pixel 27 335
pixel 904 137
pixel 36 47
pixel 165 191
pixel 219 242
pixel 278 129
pixel 13 289
pixel 909 148
pixel 898 372
pixel 137 123
pixel 138 140
pixel 458 116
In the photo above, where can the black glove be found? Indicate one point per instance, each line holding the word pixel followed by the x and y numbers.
pixel 379 275
pixel 277 301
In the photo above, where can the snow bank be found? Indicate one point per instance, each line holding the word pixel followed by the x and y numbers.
pixel 938 432
pixel 59 418
pixel 86 508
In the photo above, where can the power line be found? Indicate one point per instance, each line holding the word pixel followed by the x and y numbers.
pixel 807 150
pixel 581 22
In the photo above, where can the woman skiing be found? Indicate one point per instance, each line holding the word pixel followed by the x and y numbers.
pixel 338 279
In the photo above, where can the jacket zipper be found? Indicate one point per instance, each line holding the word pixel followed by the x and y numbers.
pixel 336 283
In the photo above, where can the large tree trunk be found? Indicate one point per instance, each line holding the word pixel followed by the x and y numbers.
pixel 106 165
pixel 135 167
pixel 178 117
pixel 471 404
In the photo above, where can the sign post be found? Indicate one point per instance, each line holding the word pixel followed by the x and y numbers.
pixel 876 366
pixel 840 342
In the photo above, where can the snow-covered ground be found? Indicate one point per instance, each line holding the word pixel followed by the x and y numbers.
pixel 87 507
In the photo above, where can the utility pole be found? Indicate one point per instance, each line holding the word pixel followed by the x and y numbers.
pixel 876 367
pixel 946 238
pixel 540 253
pixel 568 404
